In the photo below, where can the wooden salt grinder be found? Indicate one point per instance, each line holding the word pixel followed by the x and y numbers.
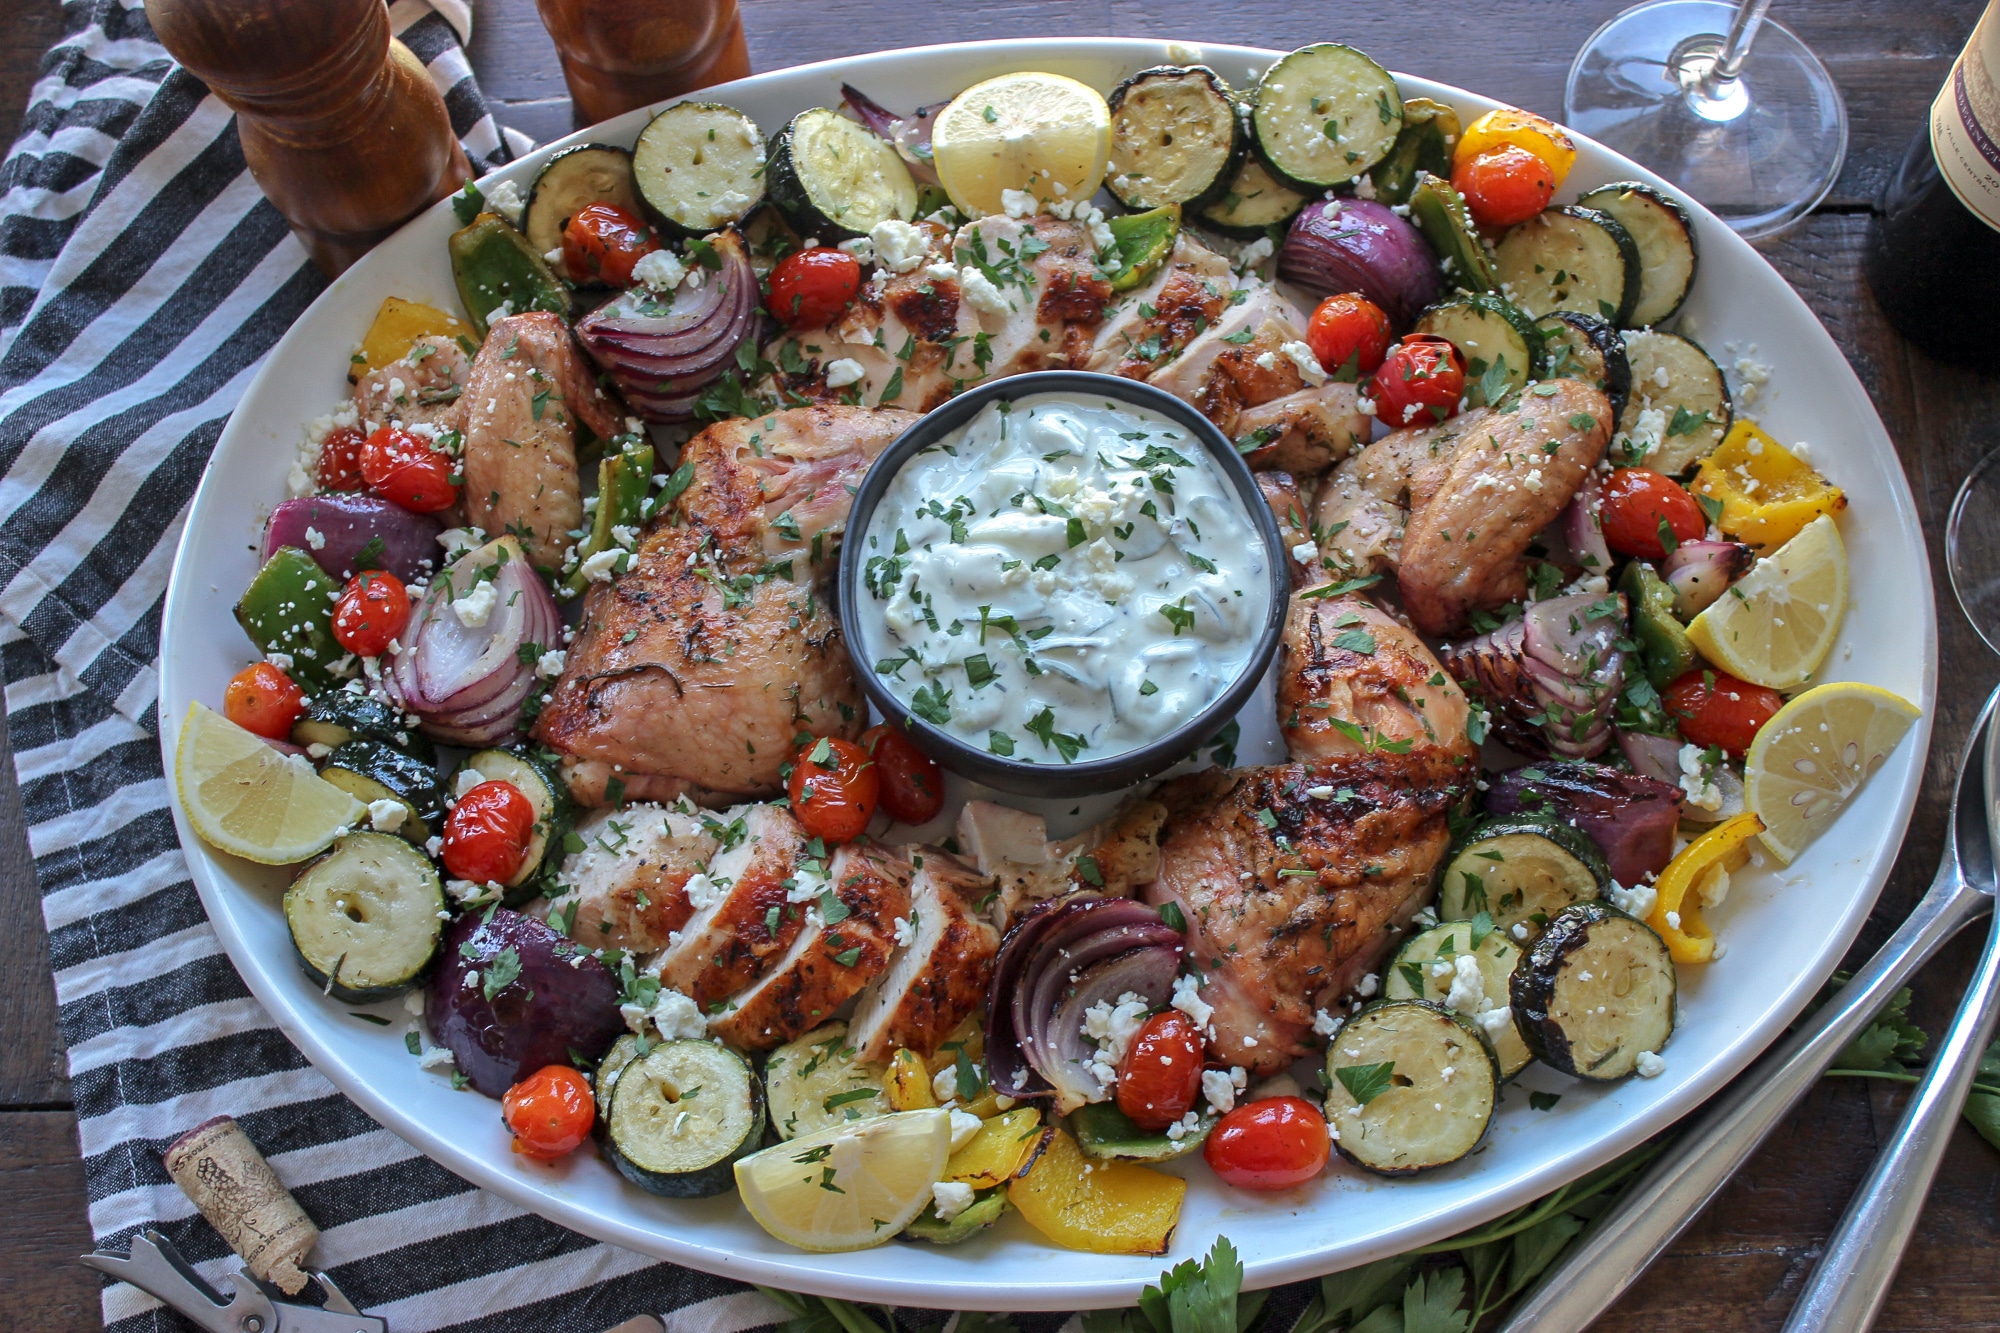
pixel 621 54
pixel 341 125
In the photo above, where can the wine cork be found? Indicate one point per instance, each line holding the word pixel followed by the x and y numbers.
pixel 217 1166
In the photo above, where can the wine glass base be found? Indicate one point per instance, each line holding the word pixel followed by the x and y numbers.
pixel 1972 548
pixel 1759 150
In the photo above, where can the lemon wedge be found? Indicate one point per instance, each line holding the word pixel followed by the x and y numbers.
pixel 1814 753
pixel 1775 626
pixel 1042 133
pixel 246 798
pixel 849 1186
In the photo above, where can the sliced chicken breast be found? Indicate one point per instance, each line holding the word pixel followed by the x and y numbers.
pixel 748 908
pixel 628 885
pixel 941 974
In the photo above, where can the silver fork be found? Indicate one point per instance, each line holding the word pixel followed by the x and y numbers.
pixel 1656 1207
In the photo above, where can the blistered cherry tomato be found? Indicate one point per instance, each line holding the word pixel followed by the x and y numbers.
pixel 486 835
pixel 263 699
pixel 372 611
pixel 601 243
pixel 550 1112
pixel 1271 1144
pixel 340 459
pixel 1420 383
pixel 405 470
pixel 1349 327
pixel 1161 1074
pixel 1719 710
pixel 912 784
pixel 1504 185
pixel 835 788
pixel 1637 503
pixel 810 289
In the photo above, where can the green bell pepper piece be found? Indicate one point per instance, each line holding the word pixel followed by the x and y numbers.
pixel 288 608
pixel 1140 243
pixel 1663 644
pixel 622 482
pixel 1424 144
pixel 494 265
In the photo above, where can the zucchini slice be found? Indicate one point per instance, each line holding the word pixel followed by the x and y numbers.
pixel 336 717
pixel 366 917
pixel 1521 870
pixel 1426 968
pixel 1429 131
pixel 1410 1086
pixel 834 177
pixel 815 1083
pixel 986 1208
pixel 1439 212
pixel 1107 1134
pixel 1661 229
pixel 1502 347
pixel 1595 993
pixel 1175 138
pixel 590 173
pixel 1584 347
pixel 1323 115
pixel 1252 203
pixel 370 771
pixel 604 1082
pixel 536 780
pixel 699 166
pixel 680 1117
pixel 1677 379
pixel 1570 259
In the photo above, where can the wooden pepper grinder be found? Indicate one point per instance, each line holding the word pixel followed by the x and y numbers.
pixel 341 125
pixel 621 54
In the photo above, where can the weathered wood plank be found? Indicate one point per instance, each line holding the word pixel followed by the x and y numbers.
pixel 42 1229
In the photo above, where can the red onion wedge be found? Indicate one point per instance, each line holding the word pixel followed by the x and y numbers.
pixel 1660 757
pixel 1358 245
pixel 909 135
pixel 1631 817
pixel 662 350
pixel 467 681
pixel 1583 529
pixel 1551 678
pixel 405 544
pixel 1700 572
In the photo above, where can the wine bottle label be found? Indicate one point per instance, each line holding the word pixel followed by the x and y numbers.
pixel 1965 122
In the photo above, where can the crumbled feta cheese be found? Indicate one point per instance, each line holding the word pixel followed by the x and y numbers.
pixel 1306 553
pixel 1673 921
pixel 1018 203
pixel 950 1198
pixel 904 934
pixel 553 256
pixel 860 247
pixel 434 845
pixel 899 246
pixel 1253 254
pixel 476 606
pixel 672 1015
pixel 457 541
pixel 413 1001
pixel 1112 1027
pixel 550 664
pixel 315 538
pixel 282 661
pixel 944 1083
pixel 435 1057
pixel 703 892
pixel 504 198
pixel 964 1125
pixel 1649 1064
pixel 1713 887
pixel 1368 985
pixel 1645 436
pixel 981 294
pixel 1300 355
pixel 386 816
pixel 660 271
pixel 1325 1024
pixel 1320 793
pixel 598 568
pixel 1520 930
pixel 318 751
pixel 1695 781
pixel 1187 999
pixel 1186 1125
pixel 1468 987
pixel 1364 186
pixel 468 778
pixel 1495 1021
pixel 1753 376
pixel 1635 901
pixel 1267 361
pixel 844 372
pixel 942 272
pixel 1220 1091
pixel 625 535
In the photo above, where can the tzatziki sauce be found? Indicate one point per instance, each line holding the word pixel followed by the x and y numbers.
pixel 1063 579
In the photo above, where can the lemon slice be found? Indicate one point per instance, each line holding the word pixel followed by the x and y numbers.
pixel 1042 133
pixel 1775 626
pixel 849 1186
pixel 1814 753
pixel 244 797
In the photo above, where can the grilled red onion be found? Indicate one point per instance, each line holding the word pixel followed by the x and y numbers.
pixel 1358 245
pixel 1062 958
pixel 663 350
pixel 909 135
pixel 1632 818
pixel 466 683
pixel 1584 530
pixel 406 543
pixel 1700 572
pixel 1551 678
pixel 1660 757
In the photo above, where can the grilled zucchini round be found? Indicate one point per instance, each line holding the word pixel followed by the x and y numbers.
pixel 1323 115
pixel 1176 138
pixel 1426 968
pixel 1663 232
pixel 335 717
pixel 604 1082
pixel 371 771
pixel 1502 347
pixel 699 166
pixel 815 1083
pixel 986 1208
pixel 535 779
pixel 835 178
pixel 366 917
pixel 680 1117
pixel 1595 992
pixel 1521 870
pixel 1584 347
pixel 590 173
pixel 1410 1086
pixel 1571 259
pixel 1107 1134
pixel 1252 203
pixel 1680 381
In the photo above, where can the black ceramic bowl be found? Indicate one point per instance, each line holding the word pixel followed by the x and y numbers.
pixel 1057 780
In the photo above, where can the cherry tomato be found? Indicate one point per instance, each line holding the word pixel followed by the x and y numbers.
pixel 1637 502
pixel 1349 327
pixel 403 469
pixel 371 612
pixel 1271 1144
pixel 1717 709
pixel 340 459
pixel 1504 185
pixel 1161 1073
pixel 912 783
pixel 602 242
pixel 835 788
pixel 486 835
pixel 810 289
pixel 550 1112
pixel 263 699
pixel 1420 383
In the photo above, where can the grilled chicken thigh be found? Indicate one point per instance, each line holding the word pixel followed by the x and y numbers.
pixel 425 388
pixel 1353 680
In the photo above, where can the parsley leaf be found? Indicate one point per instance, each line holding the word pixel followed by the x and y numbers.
pixel 1365 1083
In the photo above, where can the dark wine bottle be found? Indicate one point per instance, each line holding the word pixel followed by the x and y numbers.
pixel 1933 256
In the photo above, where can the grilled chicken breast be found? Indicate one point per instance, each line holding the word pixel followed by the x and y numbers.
pixel 629 883
pixel 425 388
pixel 1353 680
pixel 744 913
pixel 941 973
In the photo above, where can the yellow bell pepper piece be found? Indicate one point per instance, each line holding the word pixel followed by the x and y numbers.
pixel 907 1085
pixel 1522 129
pixel 996 1154
pixel 398 324
pixel 969 1036
pixel 1103 1207
pixel 1682 886
pixel 1768 494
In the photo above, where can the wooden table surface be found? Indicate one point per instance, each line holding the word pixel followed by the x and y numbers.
pixel 1737 1268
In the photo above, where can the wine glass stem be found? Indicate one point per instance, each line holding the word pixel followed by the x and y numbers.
pixel 1742 32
